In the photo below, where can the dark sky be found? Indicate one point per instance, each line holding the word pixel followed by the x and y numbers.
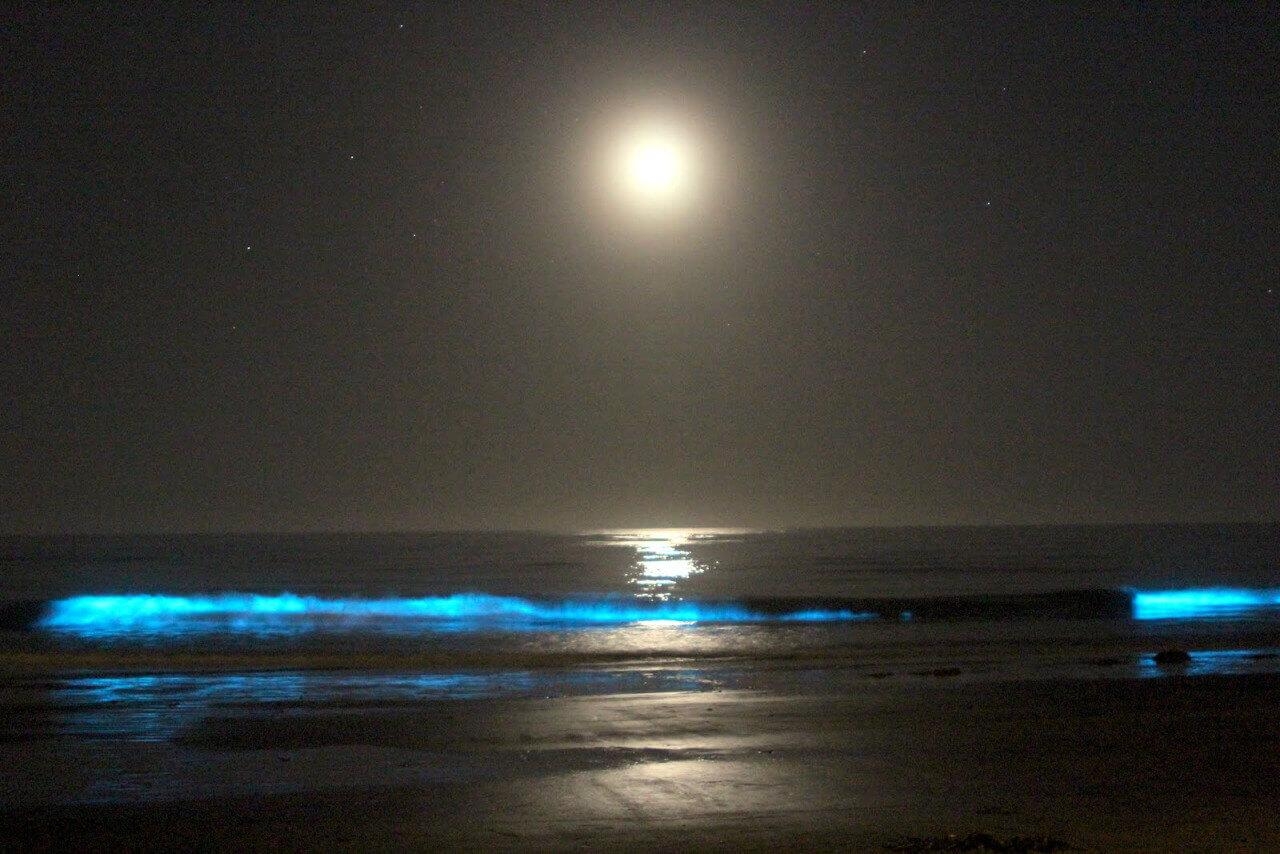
pixel 285 268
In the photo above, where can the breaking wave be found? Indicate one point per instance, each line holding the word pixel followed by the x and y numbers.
pixel 93 616
pixel 241 612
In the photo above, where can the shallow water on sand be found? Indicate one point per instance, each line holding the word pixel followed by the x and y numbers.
pixel 811 756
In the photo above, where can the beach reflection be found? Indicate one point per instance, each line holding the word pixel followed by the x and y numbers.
pixel 158 707
pixel 672 760
pixel 155 707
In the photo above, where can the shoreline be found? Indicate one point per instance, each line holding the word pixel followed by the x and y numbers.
pixel 1102 764
pixel 1242 653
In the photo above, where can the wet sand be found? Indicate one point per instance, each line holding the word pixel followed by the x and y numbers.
pixel 1170 763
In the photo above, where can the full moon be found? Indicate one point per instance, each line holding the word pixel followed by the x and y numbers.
pixel 653 171
pixel 655 166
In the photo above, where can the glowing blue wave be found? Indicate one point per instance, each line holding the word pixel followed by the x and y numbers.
pixel 288 613
pixel 818 616
pixel 1203 603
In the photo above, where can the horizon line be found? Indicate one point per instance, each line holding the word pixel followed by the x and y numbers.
pixel 616 529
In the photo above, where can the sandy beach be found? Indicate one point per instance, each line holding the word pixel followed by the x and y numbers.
pixel 1167 763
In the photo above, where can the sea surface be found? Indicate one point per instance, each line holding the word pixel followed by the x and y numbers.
pixel 983 601
pixel 139 638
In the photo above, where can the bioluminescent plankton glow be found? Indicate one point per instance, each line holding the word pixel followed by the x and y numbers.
pixel 287 613
pixel 1206 603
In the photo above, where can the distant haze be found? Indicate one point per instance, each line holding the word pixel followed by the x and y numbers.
pixel 280 269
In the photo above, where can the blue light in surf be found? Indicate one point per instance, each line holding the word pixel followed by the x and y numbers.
pixel 1203 603
pixel 286 613
pixel 818 616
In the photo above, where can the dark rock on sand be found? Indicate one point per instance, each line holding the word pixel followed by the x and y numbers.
pixel 1172 657
pixel 939 672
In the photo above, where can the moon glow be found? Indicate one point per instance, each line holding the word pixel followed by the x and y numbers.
pixel 655 174
pixel 655 167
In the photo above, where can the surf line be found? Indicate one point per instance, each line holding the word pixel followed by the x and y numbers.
pixel 1202 603
pixel 252 611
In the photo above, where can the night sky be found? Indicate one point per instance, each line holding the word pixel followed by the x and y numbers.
pixel 281 268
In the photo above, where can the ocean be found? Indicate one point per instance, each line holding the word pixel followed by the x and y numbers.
pixel 885 602
pixel 499 686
